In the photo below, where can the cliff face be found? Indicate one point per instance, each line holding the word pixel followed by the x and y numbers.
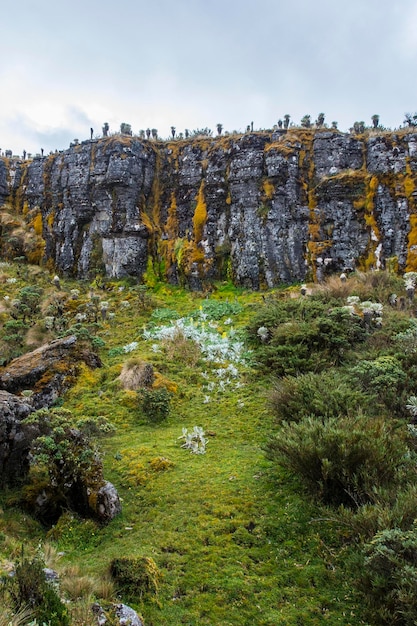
pixel 259 208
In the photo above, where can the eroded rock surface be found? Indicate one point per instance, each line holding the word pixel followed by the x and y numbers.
pixel 260 209
pixel 15 441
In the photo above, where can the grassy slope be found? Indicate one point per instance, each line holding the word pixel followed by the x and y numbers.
pixel 234 540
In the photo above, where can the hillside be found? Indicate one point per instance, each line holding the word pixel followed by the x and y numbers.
pixel 239 532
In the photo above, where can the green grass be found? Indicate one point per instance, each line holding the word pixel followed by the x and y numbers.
pixel 232 535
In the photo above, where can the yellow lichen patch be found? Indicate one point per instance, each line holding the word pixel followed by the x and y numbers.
pixel 411 265
pixel 359 204
pixel 409 186
pixel 200 215
pixel 229 199
pixel 50 219
pixel 167 246
pixel 314 231
pixel 118 139
pixel 370 261
pixel 160 381
pixel 282 147
pixel 151 217
pixel 268 189
pixel 147 221
pixel 171 226
pixel 34 250
pixel 36 224
pixel 316 248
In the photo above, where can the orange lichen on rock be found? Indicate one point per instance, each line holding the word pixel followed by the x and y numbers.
pixel 268 189
pixel 411 265
pixel 200 215
pixel 370 260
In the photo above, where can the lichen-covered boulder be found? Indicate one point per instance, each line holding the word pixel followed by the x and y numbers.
pixel 48 371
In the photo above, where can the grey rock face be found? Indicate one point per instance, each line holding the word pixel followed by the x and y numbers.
pixel 386 154
pixel 4 190
pixel 15 441
pixel 259 209
pixel 334 152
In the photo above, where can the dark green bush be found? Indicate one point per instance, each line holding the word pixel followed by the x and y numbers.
pixel 64 453
pixel 311 342
pixel 155 403
pixel 327 394
pixel 216 309
pixel 273 314
pixel 388 578
pixel 384 378
pixel 135 576
pixel 393 508
pixel 344 460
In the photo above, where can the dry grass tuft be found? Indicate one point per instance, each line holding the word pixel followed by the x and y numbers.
pixel 333 287
pixel 377 285
pixel 136 374
pixel 181 349
pixel 18 619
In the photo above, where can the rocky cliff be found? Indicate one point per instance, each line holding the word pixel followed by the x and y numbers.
pixel 260 208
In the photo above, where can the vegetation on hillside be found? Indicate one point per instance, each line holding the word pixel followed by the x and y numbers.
pixel 263 445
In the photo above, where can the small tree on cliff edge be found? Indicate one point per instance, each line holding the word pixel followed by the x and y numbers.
pixel 375 121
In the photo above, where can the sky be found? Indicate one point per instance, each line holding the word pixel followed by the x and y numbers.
pixel 70 65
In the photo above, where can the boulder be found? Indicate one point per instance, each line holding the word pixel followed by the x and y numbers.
pixel 127 616
pixel 48 371
pixel 124 615
pixel 107 503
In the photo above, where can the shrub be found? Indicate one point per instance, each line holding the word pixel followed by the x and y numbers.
pixel 216 309
pixel 393 508
pixel 303 338
pixel 343 460
pixel 29 588
pixel 155 404
pixel 68 457
pixel 384 378
pixel 135 576
pixel 388 578
pixel 327 394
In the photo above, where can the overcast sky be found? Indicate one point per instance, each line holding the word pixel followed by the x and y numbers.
pixel 68 65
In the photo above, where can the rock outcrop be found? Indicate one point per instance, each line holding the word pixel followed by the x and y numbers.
pixel 47 371
pixel 43 375
pixel 15 441
pixel 260 208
